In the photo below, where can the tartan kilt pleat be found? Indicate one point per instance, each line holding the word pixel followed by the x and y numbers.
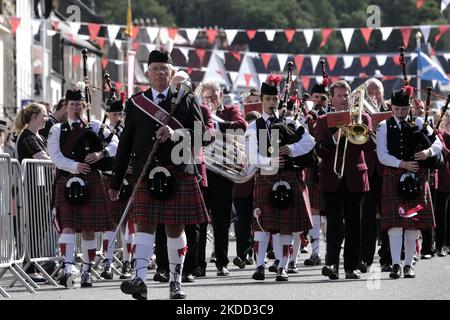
pixel 295 218
pixel 391 202
pixel 91 216
pixel 115 208
pixel 185 207
pixel 315 196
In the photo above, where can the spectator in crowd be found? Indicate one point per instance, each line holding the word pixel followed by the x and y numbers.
pixel 58 115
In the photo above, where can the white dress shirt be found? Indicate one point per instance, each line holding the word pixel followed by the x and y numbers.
pixel 382 150
pixel 305 145
pixel 155 94
pixel 66 164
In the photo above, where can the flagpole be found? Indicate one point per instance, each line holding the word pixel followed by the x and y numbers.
pixel 130 51
pixel 419 81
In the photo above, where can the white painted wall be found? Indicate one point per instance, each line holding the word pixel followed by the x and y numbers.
pixel 24 41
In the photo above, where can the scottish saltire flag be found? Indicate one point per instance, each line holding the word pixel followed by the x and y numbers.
pixel 430 70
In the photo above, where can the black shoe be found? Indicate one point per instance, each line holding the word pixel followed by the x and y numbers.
pixel 259 273
pixel 292 268
pixel 136 287
pixel 213 258
pixel 396 272
pixel 187 278
pixel 222 272
pixel 408 272
pixel 331 272
pixel 270 255
pixel 281 275
pixel 86 280
pixel 441 252
pixel 199 272
pixel 314 260
pixel 161 276
pixel 426 256
pixel 107 270
pixel 126 271
pixel 176 292
pixel 249 260
pixel 151 264
pixel 274 267
pixel 239 262
pixel 37 277
pixel 67 280
pixel 386 268
pixel 363 267
pixel 352 275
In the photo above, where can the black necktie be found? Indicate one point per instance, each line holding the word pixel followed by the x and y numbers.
pixel 75 125
pixel 402 125
pixel 161 98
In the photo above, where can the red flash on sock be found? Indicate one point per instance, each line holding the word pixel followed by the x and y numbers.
pixel 286 250
pixel 256 246
pixel 91 254
pixel 105 244
pixel 183 251
pixel 133 249
pixel 62 247
pixel 129 247
pixel 291 250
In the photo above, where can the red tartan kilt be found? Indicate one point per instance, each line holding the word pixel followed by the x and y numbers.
pixel 390 203
pixel 295 218
pixel 115 208
pixel 185 207
pixel 315 196
pixel 91 216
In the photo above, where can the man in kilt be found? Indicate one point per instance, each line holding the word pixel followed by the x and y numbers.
pixel 343 197
pixel 75 150
pixel 275 168
pixel 168 194
pixel 400 216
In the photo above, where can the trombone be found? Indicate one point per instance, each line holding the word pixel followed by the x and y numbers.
pixel 357 133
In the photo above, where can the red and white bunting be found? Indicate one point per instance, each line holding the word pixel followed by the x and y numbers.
pixel 101 42
pixel 265 57
pixel 251 34
pixel 211 34
pixel 200 54
pixel 90 63
pixel 14 22
pixel 118 44
pixel 270 34
pixel 236 55
pixel 347 34
pixel 298 60
pixel 442 30
pixel 386 32
pixel 366 32
pixel 152 33
pixel 446 56
pixel 93 28
pixel 231 34
pixel 308 34
pixel 262 77
pixel 113 30
pixel 74 27
pixel 326 32
pixel 365 60
pixel 220 54
pixel 425 32
pixel 248 77
pixel 76 61
pixel 104 63
pixel 185 52
pixel 289 33
pixel 314 61
pixel 150 47
pixel 172 33
pixel 35 25
pixel 331 62
pixel 305 82
pixel 444 4
pixel 406 34
pixel 282 58
pixel 233 76
pixel 381 59
pixel 348 61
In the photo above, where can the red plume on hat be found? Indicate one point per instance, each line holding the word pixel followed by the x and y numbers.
pixel 273 79
pixel 123 96
pixel 409 90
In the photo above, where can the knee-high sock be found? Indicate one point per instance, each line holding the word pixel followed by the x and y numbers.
pixel 395 242
pixel 88 247
pixel 66 246
pixel 296 243
pixel 176 251
pixel 144 249
pixel 410 245
pixel 276 246
pixel 261 241
pixel 126 245
pixel 109 252
pixel 285 242
pixel 315 234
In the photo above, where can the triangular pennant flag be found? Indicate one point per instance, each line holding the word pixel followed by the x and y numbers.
pixel 298 60
pixel 152 33
pixel 425 32
pixel 74 27
pixel 289 33
pixel 347 34
pixel 14 23
pixel 331 62
pixel 319 80
pixel 172 32
pixel 84 37
pixel 192 34
pixel 150 47
pixel 366 32
pixel 189 70
pixel 76 60
pixel 348 61
pixel 90 62
pixel 251 34
pixel 200 54
pixel 314 61
pixel 406 34
pixel 185 52
pixel 118 85
pixel 118 44
pixel 135 32
pixel 113 30
pixel 396 60
pixel 248 77
pixel 433 83
pixel 349 79
pixel 236 55
pixel 386 32
pixel 325 34
pixel 51 33
pixel 282 58
pixel 55 24
pixel 118 62
pixel 93 28
pixel 211 34
pixel 308 34
pixel 265 57
pixel 446 56
pixel 104 63
pixel 35 25
pixel 101 42
pixel 305 82
pixel 233 76
pixel 231 34
pixel 364 61
pixel 262 77
pixel 270 34
pixel 381 59
pixel 334 79
pixel 442 30
pixel 419 4
pixel 136 46
pixel 220 54
pixel 221 72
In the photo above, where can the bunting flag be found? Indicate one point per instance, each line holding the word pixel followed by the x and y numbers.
pixel 93 28
pixel 265 57
pixel 314 61
pixel 348 61
pixel 14 22
pixel 308 34
pixel 211 34
pixel 425 32
pixel 101 42
pixel 185 52
pixel 365 60
pixel 366 32
pixel 150 47
pixel 172 33
pixel 231 34
pixel 282 58
pixel 35 26
pixel 381 59
pixel 74 27
pixel 444 4
pixel 385 32
pixel 270 34
pixel 200 54
pixel 305 82
pixel 347 34
pixel 76 61
pixel 442 30
pixel 113 30
pixel 251 34
pixel 406 34
pixel 289 33
pixel 248 77
pixel 236 55
pixel 331 62
pixel 325 34
pixel 233 76
pixel 104 63
pixel 191 34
